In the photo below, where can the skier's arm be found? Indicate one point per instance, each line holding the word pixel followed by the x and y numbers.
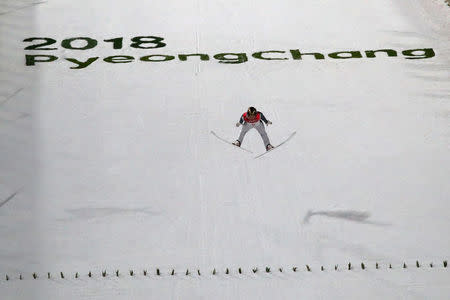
pixel 263 118
pixel 241 121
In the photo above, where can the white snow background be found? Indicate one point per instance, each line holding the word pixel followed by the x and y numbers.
pixel 113 167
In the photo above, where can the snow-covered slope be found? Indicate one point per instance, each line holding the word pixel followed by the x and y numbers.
pixel 107 161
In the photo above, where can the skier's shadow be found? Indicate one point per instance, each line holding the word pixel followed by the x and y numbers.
pixel 349 215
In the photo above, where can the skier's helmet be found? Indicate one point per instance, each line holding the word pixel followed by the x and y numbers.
pixel 251 111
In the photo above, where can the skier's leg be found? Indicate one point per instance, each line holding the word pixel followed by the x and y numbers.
pixel 245 128
pixel 263 133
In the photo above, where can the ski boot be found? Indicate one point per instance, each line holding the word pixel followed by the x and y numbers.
pixel 237 143
pixel 269 147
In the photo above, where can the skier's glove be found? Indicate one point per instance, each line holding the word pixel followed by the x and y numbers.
pixel 269 123
pixel 238 124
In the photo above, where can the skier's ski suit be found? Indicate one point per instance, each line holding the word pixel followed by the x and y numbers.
pixel 254 122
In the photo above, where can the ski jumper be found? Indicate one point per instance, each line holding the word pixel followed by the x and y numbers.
pixel 257 123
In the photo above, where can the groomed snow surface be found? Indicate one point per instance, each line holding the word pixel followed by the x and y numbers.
pixel 107 161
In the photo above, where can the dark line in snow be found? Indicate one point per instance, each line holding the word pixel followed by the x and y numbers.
pixel 20 8
pixel 8 199
pixel 11 96
pixel 348 215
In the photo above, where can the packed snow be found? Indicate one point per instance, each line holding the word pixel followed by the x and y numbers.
pixel 107 161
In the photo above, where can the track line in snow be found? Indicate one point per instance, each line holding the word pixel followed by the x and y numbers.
pixel 23 7
pixel 8 199
pixel 10 97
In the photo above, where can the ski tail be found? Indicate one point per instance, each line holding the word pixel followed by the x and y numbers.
pixel 228 142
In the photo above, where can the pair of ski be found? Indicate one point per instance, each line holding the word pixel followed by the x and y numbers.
pixel 244 149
